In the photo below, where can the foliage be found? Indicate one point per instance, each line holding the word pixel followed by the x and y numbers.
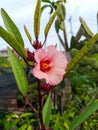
pixel 4 63
pixel 17 121
pixel 59 21
pixel 84 80
pixel 5 66
pixel 89 63
pixel 82 104
pixel 19 74
pixel 47 111
pixel 64 121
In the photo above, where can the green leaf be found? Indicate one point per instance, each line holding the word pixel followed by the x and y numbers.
pixel 46 1
pixel 88 111
pixel 81 53
pixel 23 127
pixel 85 26
pixel 46 6
pixel 28 34
pixel 62 13
pixel 47 112
pixel 24 115
pixel 18 73
pixel 11 27
pixel 11 40
pixel 51 20
pixel 29 127
pixel 57 25
pixel 37 18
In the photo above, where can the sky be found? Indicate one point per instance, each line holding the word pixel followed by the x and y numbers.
pixel 22 12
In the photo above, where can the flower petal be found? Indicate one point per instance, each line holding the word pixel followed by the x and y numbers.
pixel 51 50
pixel 39 74
pixel 57 63
pixel 39 55
pixel 59 60
pixel 55 76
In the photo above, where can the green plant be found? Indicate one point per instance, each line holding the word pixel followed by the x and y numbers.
pixel 42 64
pixel 18 121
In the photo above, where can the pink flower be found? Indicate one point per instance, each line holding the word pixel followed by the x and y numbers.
pixel 50 65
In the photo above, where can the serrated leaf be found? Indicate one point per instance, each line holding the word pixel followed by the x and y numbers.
pixel 37 18
pixel 88 111
pixel 11 40
pixel 28 34
pixel 19 74
pixel 47 112
pixel 81 53
pixel 51 20
pixel 11 27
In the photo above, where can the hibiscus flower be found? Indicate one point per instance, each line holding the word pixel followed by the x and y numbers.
pixel 50 65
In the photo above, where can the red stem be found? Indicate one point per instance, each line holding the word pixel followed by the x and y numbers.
pixel 32 107
pixel 40 104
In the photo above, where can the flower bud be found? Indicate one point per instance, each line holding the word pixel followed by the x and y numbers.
pixel 37 45
pixel 30 55
pixel 45 87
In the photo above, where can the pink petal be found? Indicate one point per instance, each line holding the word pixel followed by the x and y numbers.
pixel 55 76
pixel 39 55
pixel 59 60
pixel 39 74
pixel 51 50
pixel 58 63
